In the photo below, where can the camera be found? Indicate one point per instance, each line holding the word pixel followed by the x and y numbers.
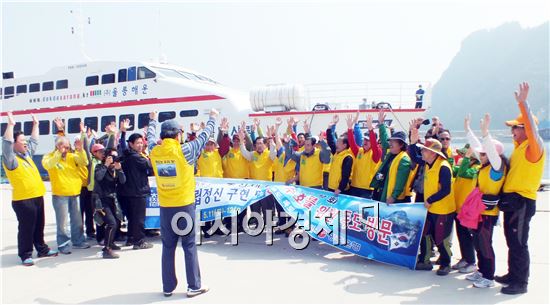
pixel 116 159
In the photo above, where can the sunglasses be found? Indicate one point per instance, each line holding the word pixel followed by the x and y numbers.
pixel 445 139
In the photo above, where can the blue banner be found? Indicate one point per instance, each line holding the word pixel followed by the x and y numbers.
pixel 371 229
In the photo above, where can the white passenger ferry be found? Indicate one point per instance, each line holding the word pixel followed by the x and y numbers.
pixel 100 92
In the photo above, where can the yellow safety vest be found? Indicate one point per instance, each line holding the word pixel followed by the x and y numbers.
pixel 408 186
pixel 335 174
pixel 65 175
pixel 83 174
pixel 432 186
pixel 392 176
pixel 524 177
pixel 311 170
pixel 210 164
pixel 490 187
pixel 364 169
pixel 235 165
pixel 462 187
pixel 175 177
pixel 260 166
pixel 25 179
pixel 284 172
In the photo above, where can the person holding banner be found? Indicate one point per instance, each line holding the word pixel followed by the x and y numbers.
pixel 367 159
pixel 393 177
pixel 342 160
pixel 173 164
pixel 440 202
pixel 261 164
pixel 520 193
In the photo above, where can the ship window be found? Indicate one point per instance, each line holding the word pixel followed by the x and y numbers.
pixel 189 75
pixel 73 125
pixel 144 73
pixel 47 86
pixel 62 84
pixel 92 80
pixel 27 128
pixel 166 115
pixel 8 92
pixel 143 120
pixel 170 72
pixel 108 78
pixel 131 74
pixel 43 127
pixel 130 117
pixel 122 75
pixel 17 126
pixel 34 87
pixel 1 95
pixel 106 120
pixel 91 122
pixel 21 89
pixel 188 113
pixel 54 127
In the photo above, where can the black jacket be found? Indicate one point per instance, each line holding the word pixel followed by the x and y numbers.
pixel 137 169
pixel 107 180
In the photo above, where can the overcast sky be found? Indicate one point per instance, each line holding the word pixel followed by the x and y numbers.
pixel 244 44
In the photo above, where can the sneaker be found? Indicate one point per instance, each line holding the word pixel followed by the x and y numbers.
pixel 505 279
pixel 65 251
pixel 443 270
pixel 128 244
pixel 424 266
pixel 143 245
pixel 108 253
pixel 90 236
pixel 28 262
pixel 468 268
pixel 114 247
pixel 167 294
pixel 461 264
pixel 195 292
pixel 48 254
pixel 514 288
pixel 474 277
pixel 484 283
pixel 82 246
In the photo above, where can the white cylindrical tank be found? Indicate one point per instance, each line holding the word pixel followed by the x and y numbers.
pixel 274 97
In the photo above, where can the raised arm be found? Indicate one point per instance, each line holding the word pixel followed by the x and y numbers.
pixel 351 138
pixel 8 154
pixel 152 130
pixel 192 150
pixel 331 137
pixel 245 152
pixel 489 145
pixel 535 146
pixel 223 138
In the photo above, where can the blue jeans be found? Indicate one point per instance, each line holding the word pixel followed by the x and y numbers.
pixel 169 243
pixel 65 207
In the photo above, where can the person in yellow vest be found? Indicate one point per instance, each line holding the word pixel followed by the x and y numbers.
pixel 210 165
pixel 490 179
pixel 311 162
pixel 261 168
pixel 234 165
pixel 391 181
pixel 440 202
pixel 520 192
pixel 62 166
pixel 342 161
pixel 367 159
pixel 173 164
pixel 28 190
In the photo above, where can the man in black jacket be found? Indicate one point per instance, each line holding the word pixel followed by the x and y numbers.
pixel 133 194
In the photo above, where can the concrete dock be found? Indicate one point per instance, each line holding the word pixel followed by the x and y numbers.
pixel 253 272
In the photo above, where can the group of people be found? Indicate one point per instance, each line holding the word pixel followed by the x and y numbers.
pixel 388 166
